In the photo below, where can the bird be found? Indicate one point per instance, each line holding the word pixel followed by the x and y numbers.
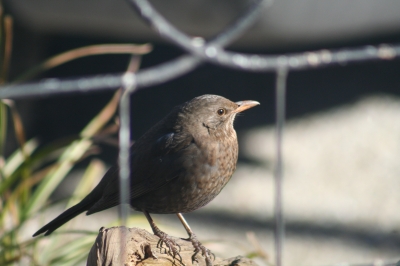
pixel 179 165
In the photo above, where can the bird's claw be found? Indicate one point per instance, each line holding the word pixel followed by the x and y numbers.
pixel 205 252
pixel 170 243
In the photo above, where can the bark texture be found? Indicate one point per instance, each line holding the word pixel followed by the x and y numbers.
pixel 135 246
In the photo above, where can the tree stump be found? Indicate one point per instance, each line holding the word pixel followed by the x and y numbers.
pixel 135 246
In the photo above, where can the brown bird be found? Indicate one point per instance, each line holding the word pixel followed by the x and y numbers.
pixel 178 166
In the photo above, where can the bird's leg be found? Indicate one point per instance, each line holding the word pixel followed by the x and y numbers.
pixel 196 243
pixel 164 238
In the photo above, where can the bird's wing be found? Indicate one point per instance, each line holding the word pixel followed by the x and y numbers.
pixel 148 171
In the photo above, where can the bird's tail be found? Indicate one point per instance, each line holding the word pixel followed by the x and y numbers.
pixel 84 205
pixel 64 217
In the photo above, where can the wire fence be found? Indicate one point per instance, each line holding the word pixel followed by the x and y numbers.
pixel 199 51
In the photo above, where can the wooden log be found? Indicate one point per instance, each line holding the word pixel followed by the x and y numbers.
pixel 135 246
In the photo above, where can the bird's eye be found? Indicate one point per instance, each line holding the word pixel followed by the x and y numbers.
pixel 221 111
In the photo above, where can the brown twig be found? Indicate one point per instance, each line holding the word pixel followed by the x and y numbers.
pixel 99 49
pixel 8 38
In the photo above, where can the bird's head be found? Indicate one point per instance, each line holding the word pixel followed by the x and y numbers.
pixel 214 113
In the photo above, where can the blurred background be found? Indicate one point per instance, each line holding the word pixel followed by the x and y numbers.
pixel 342 137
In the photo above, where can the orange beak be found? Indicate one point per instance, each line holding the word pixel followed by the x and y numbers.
pixel 244 105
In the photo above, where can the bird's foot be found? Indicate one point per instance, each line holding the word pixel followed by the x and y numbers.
pixel 169 242
pixel 199 247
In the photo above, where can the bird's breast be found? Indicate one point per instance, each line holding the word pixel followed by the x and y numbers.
pixel 205 171
pixel 205 180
